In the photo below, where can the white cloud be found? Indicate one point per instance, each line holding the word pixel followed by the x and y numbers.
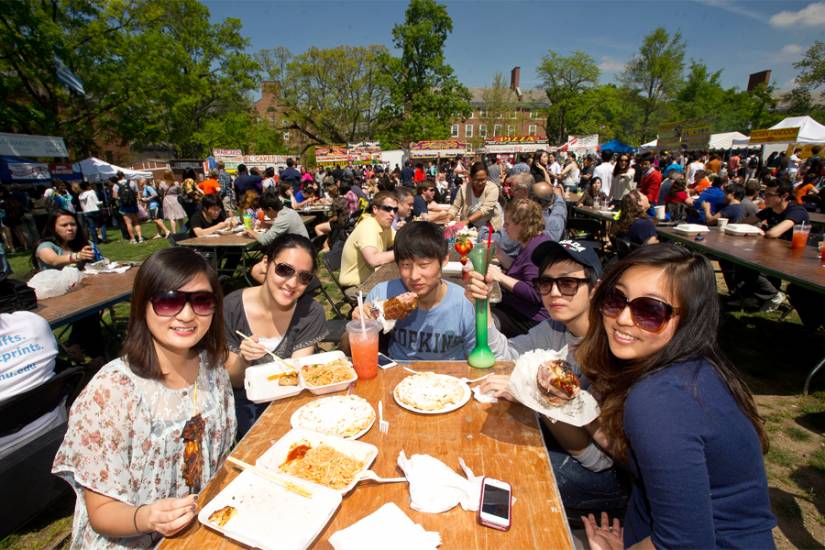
pixel 610 65
pixel 788 53
pixel 813 15
pixel 732 7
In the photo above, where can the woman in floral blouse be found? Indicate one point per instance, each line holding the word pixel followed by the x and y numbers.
pixel 123 452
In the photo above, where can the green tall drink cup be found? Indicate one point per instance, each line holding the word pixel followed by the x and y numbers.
pixel 481 357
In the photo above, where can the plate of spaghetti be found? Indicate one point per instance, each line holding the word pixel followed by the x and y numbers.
pixel 325 460
pixel 321 378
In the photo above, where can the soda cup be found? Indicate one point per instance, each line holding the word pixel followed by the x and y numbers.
pixel 799 240
pixel 363 344
pixel 96 251
pixel 247 221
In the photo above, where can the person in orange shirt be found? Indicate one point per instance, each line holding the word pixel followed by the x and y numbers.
pixel 700 182
pixel 715 164
pixel 210 186
pixel 807 186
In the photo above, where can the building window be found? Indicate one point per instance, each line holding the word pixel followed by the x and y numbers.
pixel 497 130
pixel 514 115
pixel 499 115
pixel 531 130
pixel 533 114
pixel 482 130
pixel 482 114
pixel 454 130
pixel 511 130
pixel 472 114
pixel 468 130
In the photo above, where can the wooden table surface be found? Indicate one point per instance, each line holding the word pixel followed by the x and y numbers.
pixel 502 440
pixel 95 292
pixel 595 213
pixel 817 218
pixel 770 256
pixel 233 240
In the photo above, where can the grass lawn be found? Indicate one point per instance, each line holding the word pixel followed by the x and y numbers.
pixel 774 355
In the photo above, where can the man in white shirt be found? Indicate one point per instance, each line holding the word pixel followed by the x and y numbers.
pixel 604 171
pixel 695 165
pixel 27 354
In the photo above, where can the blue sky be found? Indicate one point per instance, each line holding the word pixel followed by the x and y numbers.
pixel 738 37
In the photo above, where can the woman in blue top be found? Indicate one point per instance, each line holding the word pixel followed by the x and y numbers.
pixel 64 243
pixel 673 409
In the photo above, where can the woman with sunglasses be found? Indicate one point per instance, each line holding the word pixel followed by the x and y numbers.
pixel 124 449
pixel 277 316
pixel 673 409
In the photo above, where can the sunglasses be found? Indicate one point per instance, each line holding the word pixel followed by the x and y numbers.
pixel 568 286
pixel 648 314
pixel 388 208
pixel 287 272
pixel 172 302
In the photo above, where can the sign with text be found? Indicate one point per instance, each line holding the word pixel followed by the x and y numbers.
pixel 227 153
pixel 778 135
pixel 684 135
pixel 589 142
pixel 21 145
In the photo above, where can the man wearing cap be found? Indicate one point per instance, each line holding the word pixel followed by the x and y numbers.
pixel 569 272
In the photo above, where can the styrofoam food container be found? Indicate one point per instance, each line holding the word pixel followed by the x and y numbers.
pixel 276 455
pixel 691 228
pixel 321 358
pixel 269 516
pixel 743 229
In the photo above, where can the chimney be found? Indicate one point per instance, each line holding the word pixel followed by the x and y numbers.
pixel 515 78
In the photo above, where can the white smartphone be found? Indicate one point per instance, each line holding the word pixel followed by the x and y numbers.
pixel 494 508
pixel 385 362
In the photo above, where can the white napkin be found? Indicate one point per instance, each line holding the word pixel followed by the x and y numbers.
pixel 435 488
pixel 579 411
pixel 386 324
pixel 387 527
pixel 104 266
pixel 483 397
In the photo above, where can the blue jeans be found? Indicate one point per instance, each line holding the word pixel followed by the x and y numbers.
pixel 246 411
pixel 93 221
pixel 583 491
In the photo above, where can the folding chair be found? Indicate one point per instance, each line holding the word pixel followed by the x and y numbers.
pixel 332 263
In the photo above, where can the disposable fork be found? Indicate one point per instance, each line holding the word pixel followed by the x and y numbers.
pixel 383 425
pixel 369 474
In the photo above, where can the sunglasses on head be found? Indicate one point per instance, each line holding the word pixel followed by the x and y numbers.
pixel 568 286
pixel 648 314
pixel 172 302
pixel 388 208
pixel 287 271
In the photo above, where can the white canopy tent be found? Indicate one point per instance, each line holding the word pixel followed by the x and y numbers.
pixel 810 131
pixel 94 169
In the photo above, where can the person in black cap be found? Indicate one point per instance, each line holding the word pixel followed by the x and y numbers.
pixel 568 274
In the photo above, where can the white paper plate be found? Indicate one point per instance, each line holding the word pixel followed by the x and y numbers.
pixel 332 403
pixel 450 408
pixel 269 516
pixel 276 455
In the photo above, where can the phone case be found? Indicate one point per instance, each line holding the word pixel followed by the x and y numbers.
pixel 493 525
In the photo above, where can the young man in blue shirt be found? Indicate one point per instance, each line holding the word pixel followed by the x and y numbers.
pixel 714 196
pixel 442 327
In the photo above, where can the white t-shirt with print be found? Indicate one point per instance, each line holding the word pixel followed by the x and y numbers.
pixel 27 352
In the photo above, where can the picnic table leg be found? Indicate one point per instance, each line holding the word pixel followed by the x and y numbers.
pixel 811 375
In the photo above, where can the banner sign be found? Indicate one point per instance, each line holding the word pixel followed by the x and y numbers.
pixel 21 145
pixel 589 142
pixel 29 171
pixel 684 135
pixel 438 148
pixel 514 139
pixel 227 153
pixel 367 152
pixel 779 135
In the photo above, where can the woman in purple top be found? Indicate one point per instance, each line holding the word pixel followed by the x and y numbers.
pixel 521 307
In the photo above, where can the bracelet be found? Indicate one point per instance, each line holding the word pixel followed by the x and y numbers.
pixel 72 257
pixel 134 518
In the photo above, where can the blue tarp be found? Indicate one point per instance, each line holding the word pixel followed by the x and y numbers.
pixel 616 146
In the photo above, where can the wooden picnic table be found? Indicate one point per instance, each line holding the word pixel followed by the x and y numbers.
pixel 599 214
pixel 817 218
pixel 95 293
pixel 773 257
pixel 222 244
pixel 502 440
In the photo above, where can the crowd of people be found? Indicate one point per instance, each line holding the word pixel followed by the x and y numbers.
pixel 676 452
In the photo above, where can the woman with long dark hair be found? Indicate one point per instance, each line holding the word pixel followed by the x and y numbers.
pixel 128 451
pixel 277 316
pixel 673 408
pixel 634 224
pixel 64 242
pixel 624 179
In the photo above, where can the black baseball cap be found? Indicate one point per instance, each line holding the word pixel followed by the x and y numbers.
pixel 581 252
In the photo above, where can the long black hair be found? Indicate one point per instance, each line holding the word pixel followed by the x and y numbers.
pixel 693 286
pixel 50 235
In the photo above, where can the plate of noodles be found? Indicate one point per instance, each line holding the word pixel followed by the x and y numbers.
pixel 320 373
pixel 329 461
pixel 347 416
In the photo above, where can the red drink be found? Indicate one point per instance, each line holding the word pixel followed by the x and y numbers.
pixel 363 343
pixel 800 237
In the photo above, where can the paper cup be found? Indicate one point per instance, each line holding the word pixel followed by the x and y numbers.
pixel 722 222
pixel 660 212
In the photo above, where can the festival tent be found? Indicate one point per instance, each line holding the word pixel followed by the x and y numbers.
pixel 725 140
pixel 94 169
pixel 810 131
pixel 616 146
pixel 649 146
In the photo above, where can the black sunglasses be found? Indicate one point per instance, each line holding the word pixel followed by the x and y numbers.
pixel 648 314
pixel 568 286
pixel 172 302
pixel 287 271
pixel 388 208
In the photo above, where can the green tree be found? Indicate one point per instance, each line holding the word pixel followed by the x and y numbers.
pixel 334 95
pixel 425 94
pixel 566 81
pixel 499 101
pixel 655 75
pixel 608 110
pixel 153 71
pixel 812 67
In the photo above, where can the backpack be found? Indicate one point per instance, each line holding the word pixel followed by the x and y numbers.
pixel 127 196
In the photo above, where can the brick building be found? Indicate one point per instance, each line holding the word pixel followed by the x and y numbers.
pixel 270 109
pixel 527 117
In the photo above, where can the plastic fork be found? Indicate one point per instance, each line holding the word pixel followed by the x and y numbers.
pixel 383 425
pixel 369 474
